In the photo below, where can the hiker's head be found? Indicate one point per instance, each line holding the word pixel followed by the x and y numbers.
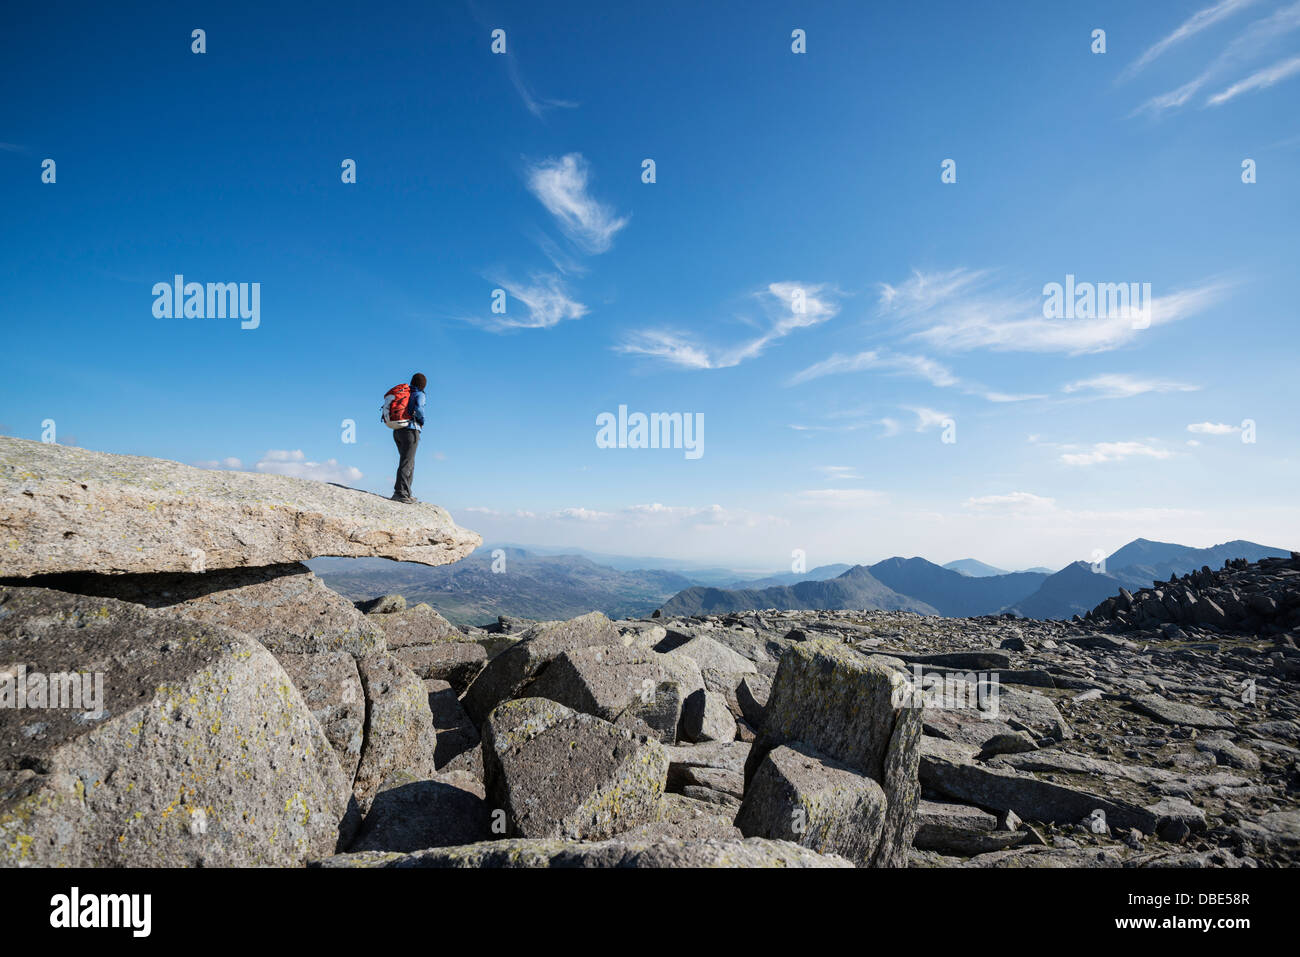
pixel 418 380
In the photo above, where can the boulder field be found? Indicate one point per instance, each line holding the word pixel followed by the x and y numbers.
pixel 240 713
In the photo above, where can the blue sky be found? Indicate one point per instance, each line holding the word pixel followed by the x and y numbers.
pixel 780 177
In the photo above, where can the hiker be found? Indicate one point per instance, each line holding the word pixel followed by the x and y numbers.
pixel 404 413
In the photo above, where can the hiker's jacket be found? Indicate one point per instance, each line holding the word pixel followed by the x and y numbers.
pixel 415 409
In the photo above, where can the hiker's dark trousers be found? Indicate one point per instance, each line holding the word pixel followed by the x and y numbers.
pixel 407 440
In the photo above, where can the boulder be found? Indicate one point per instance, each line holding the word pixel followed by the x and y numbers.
pixel 417 625
pixel 411 814
pixel 707 653
pixel 751 694
pixel 718 755
pixel 560 773
pixel 604 680
pixel 456 662
pixel 962 830
pixel 457 740
pixel 399 726
pixel 1179 712
pixel 285 607
pixel 331 686
pixel 381 605
pixel 841 704
pixel 530 853
pixel 949 769
pixel 68 509
pixel 817 802
pixel 705 717
pixel 685 819
pixel 509 673
pixel 199 751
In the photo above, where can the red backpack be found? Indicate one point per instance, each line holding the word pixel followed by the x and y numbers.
pixel 393 412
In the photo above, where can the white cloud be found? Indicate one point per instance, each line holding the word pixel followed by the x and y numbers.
pixel 1004 323
pixel 1188 28
pixel 1213 428
pixel 933 372
pixel 546 300
pixel 536 105
pixel 1012 500
pixel 839 473
pixel 1243 47
pixel 1101 452
pixel 580 515
pixel 230 462
pixel 923 291
pixel 1258 81
pixel 561 186
pixel 1008 397
pixel 789 306
pixel 294 463
pixel 1117 385
pixel 494 513
pixel 928 418
pixel 840 497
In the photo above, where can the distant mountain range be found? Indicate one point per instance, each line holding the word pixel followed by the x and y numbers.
pixel 855 588
pixel 914 584
pixel 538 584
pixel 974 568
pixel 1077 588
pixel 469 592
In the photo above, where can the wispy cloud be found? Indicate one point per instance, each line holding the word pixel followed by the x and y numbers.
pixel 969 315
pixel 1121 386
pixel 545 299
pixel 1213 428
pixel 1012 500
pixel 933 372
pixel 840 497
pixel 927 419
pixel 561 186
pixel 1258 81
pixel 1254 39
pixel 1101 452
pixel 903 364
pixel 1193 25
pixel 789 306
pixel 839 473
pixel 535 104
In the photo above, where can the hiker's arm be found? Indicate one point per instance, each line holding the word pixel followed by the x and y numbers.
pixel 418 412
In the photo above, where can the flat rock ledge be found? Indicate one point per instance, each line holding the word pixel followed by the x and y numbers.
pixel 67 509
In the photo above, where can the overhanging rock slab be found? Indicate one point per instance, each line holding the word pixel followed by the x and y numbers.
pixel 67 509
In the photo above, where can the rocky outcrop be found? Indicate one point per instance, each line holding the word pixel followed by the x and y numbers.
pixel 1260 597
pixel 68 509
pixel 669 853
pixel 200 751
